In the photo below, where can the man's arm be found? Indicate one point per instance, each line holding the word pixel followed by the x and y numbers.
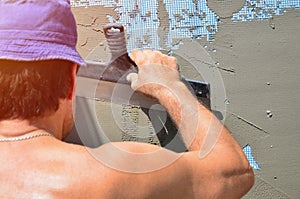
pixel 214 156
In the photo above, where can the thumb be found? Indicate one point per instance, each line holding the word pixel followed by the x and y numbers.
pixel 133 79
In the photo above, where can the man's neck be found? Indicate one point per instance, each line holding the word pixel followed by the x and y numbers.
pixel 57 123
pixel 16 127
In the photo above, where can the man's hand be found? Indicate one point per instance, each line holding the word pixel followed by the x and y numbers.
pixel 157 72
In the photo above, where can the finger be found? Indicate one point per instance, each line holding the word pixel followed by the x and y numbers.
pixel 133 79
pixel 157 57
pixel 171 62
pixel 138 57
pixel 134 54
pixel 148 51
pixel 149 56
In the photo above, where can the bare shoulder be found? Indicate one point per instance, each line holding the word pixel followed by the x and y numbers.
pixel 149 171
pixel 145 171
pixel 127 169
pixel 130 169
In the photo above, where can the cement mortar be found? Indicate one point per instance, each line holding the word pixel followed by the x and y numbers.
pixel 225 9
pixel 263 89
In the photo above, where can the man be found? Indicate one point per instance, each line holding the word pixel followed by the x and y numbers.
pixel 38 65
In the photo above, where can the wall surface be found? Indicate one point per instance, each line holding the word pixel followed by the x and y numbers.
pixel 248 51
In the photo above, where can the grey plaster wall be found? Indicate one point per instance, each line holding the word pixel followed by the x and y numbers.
pixel 265 79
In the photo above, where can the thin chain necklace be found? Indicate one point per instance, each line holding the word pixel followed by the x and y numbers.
pixel 21 138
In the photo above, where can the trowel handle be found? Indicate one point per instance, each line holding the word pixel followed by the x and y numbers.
pixel 115 36
pixel 112 29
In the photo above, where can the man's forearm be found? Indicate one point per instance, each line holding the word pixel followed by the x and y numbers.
pixel 192 118
pixel 199 127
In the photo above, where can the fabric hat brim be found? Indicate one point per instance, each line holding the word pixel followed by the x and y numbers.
pixel 30 50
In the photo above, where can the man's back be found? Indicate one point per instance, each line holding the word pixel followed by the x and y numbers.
pixel 47 168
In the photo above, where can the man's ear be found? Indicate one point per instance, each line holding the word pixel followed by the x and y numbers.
pixel 73 72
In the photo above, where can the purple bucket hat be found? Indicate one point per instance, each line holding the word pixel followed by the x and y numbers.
pixel 38 30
